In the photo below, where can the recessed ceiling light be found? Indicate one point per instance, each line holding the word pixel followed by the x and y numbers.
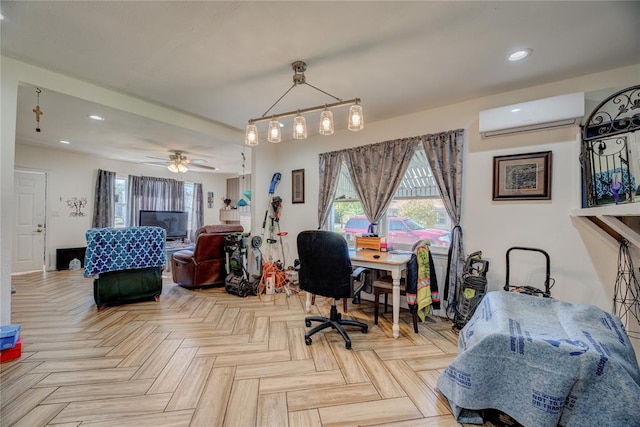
pixel 94 117
pixel 62 141
pixel 519 55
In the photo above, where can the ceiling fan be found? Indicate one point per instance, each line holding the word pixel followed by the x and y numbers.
pixel 178 162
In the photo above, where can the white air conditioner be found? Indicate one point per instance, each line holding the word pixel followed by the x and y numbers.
pixel 542 114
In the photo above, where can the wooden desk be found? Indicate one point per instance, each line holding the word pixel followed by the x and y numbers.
pixel 394 263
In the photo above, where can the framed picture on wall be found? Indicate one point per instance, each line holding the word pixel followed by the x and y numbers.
pixel 522 176
pixel 297 186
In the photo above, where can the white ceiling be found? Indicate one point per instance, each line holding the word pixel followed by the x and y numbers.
pixel 227 62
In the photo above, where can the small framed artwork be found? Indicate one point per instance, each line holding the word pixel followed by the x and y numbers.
pixel 522 176
pixel 297 186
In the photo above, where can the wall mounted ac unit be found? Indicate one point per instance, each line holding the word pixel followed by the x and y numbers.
pixel 542 114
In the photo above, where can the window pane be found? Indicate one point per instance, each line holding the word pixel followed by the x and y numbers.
pixel 188 202
pixel 120 219
pixel 417 211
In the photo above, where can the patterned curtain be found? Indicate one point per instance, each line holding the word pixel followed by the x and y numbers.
pixel 329 174
pixel 197 211
pixel 444 153
pixel 150 193
pixel 377 171
pixel 105 202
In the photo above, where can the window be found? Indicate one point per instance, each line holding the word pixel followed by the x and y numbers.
pixel 415 213
pixel 120 216
pixel 120 219
pixel 188 202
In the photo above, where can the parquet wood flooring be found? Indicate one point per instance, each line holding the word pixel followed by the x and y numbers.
pixel 207 358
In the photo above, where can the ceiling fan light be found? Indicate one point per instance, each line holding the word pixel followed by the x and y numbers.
pixel 182 168
pixel 173 168
pixel 326 122
pixel 275 134
pixel 356 119
pixel 299 127
pixel 251 136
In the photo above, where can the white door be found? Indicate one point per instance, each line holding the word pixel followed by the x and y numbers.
pixel 29 226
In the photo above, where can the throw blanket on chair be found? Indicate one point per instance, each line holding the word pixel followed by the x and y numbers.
pixel 115 249
pixel 422 285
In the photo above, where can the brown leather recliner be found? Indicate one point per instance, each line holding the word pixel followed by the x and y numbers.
pixel 205 264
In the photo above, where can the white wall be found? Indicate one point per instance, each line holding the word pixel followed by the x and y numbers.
pixel 74 175
pixel 8 107
pixel 583 264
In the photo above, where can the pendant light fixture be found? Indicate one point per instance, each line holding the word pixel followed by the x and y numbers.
pixel 299 127
pixel 356 119
pixel 275 133
pixel 326 122
pixel 251 137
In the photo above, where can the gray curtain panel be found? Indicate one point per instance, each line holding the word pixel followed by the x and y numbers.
pixel 377 171
pixel 150 193
pixel 196 214
pixel 444 153
pixel 105 200
pixel 329 173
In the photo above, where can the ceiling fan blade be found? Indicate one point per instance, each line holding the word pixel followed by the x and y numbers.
pixel 198 166
pixel 158 158
pixel 156 164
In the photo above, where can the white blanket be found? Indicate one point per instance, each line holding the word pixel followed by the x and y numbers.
pixel 544 362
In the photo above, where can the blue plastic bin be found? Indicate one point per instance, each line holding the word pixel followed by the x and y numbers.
pixel 9 336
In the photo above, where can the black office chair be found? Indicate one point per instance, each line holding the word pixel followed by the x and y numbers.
pixel 325 269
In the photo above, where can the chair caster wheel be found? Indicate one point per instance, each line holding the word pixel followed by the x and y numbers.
pixel 348 345
pixel 307 341
pixel 308 323
pixel 365 329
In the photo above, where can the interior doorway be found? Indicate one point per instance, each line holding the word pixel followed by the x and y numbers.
pixel 29 230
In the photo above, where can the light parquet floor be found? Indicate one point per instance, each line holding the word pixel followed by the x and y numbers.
pixel 207 358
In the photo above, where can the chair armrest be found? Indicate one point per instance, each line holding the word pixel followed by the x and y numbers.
pixel 360 274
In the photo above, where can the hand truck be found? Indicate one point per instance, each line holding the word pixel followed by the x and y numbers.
pixel 531 290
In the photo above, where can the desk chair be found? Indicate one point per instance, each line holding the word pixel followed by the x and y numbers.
pixel 325 269
pixel 408 285
pixel 384 286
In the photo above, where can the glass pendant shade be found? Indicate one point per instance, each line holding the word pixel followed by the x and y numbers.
pixel 173 168
pixel 299 127
pixel 275 134
pixel 182 168
pixel 326 122
pixel 251 137
pixel 356 120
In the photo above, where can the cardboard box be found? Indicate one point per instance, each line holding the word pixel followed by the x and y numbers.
pixel 368 243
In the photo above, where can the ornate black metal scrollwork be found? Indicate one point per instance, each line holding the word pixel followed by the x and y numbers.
pixel 605 150
pixel 620 113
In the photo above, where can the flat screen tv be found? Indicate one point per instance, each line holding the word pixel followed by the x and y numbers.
pixel 174 222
